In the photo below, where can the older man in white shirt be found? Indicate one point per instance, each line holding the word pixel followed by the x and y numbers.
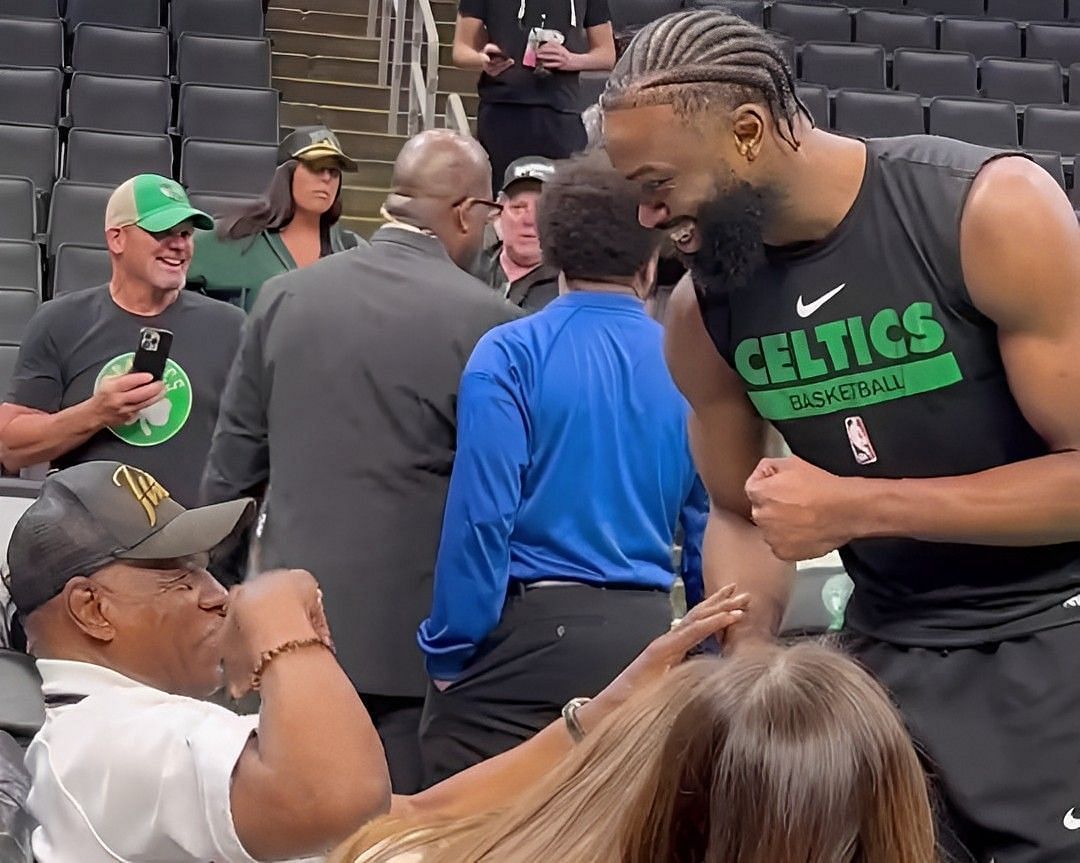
pixel 129 629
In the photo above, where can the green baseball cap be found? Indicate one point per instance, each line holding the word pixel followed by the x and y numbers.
pixel 154 203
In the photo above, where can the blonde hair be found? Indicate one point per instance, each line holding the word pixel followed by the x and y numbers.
pixel 771 756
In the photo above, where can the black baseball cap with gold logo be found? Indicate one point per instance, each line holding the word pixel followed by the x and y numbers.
pixel 92 514
pixel 311 143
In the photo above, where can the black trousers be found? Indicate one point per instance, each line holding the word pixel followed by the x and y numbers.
pixel 999 725
pixel 397 719
pixel 552 644
pixel 508 132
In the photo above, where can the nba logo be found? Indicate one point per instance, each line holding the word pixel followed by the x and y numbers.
pixel 859 438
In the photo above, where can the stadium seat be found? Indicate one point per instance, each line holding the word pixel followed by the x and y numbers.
pixel 77 214
pixel 1074 84
pixel 1052 127
pixel 31 42
pixel 1051 163
pixel 979 121
pixel 948 7
pixel 223 60
pixel 20 265
pixel 30 95
pixel 632 14
pixel 112 50
pixel 30 8
pixel 1059 42
pixel 816 99
pixel 229 113
pixel 23 713
pixel 1027 10
pixel 750 10
pixel 1021 81
pixel 79 266
pixel 113 157
pixel 30 151
pixel 220 17
pixel 836 65
pixel 225 166
pixel 16 208
pixel 935 73
pixel 878 113
pixel 983 37
pixel 788 50
pixel 895 29
pixel 217 205
pixel 116 103
pixel 17 306
pixel 129 13
pixel 807 22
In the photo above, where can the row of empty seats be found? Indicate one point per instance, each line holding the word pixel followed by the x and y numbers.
pixel 225 17
pixel 200 58
pixel 629 14
pixel 891 28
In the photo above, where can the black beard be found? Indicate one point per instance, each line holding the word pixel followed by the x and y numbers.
pixel 730 229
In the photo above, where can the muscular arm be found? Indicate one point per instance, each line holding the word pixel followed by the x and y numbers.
pixel 1020 247
pixel 29 436
pixel 728 440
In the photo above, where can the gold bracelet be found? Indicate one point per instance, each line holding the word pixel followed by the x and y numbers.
pixel 268 656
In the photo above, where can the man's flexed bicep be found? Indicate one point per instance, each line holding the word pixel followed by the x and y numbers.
pixel 728 440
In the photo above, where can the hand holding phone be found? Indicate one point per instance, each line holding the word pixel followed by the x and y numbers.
pixel 152 351
pixel 496 61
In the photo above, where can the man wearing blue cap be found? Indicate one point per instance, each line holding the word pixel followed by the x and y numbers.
pixel 73 396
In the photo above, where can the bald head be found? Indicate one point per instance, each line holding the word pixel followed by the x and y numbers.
pixel 440 163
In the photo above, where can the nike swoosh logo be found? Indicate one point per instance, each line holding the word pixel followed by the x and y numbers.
pixel 1070 821
pixel 804 311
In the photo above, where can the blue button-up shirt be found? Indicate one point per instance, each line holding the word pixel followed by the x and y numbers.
pixel 572 464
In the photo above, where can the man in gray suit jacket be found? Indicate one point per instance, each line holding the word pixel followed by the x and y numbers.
pixel 340 408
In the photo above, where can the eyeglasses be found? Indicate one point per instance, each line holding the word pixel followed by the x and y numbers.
pixel 494 207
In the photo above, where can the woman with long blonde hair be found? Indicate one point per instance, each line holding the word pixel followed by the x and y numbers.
pixel 771 756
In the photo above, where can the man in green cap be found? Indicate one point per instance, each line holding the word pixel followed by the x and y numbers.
pixel 73 396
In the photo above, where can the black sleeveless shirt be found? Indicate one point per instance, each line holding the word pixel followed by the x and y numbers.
pixel 867 354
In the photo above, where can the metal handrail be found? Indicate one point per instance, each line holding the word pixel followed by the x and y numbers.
pixel 423 83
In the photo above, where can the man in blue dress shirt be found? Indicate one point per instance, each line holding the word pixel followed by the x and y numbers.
pixel 571 474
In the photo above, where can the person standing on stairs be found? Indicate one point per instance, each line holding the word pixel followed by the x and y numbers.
pixel 530 53
pixel 292 224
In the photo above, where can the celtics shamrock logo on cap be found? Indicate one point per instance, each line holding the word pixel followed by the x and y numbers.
pixel 159 422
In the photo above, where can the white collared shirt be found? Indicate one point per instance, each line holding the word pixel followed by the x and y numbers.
pixel 130 773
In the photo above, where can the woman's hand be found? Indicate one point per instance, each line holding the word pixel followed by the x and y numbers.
pixel 711 617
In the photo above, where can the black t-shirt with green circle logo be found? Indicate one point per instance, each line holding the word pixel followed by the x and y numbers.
pixel 868 355
pixel 75 341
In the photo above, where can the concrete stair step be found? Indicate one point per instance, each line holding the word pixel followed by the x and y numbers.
pixel 313 44
pixel 372 175
pixel 365 226
pixel 362 201
pixel 347 70
pixel 443 10
pixel 341 120
pixel 335 94
pixel 339 23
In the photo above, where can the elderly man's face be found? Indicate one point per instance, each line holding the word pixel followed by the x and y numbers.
pixel 517 224
pixel 167 622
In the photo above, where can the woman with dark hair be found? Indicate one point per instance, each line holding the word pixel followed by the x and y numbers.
pixel 773 755
pixel 293 224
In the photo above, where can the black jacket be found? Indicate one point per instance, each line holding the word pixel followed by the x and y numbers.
pixel 343 398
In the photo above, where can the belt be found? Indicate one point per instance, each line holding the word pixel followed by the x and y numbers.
pixel 520 588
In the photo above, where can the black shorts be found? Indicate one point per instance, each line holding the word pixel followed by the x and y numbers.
pixel 999 726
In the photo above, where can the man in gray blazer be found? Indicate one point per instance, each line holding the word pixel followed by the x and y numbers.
pixel 340 409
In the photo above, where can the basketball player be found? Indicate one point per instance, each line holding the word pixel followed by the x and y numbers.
pixel 906 312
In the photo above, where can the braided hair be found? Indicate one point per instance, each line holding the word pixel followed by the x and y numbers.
pixel 684 58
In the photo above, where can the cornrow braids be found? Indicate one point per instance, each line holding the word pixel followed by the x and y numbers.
pixel 683 58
